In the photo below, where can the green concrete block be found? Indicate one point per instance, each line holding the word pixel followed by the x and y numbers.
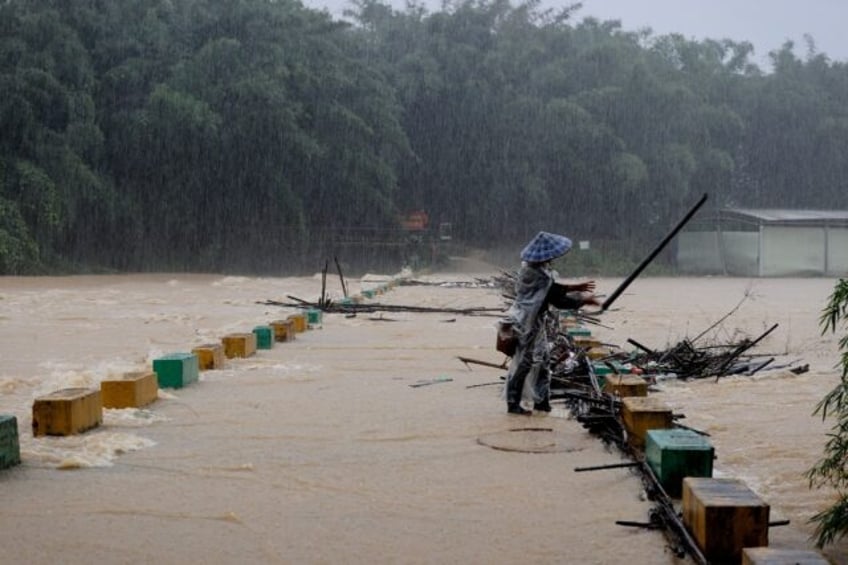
pixel 604 369
pixel 10 450
pixel 264 337
pixel 313 317
pixel 176 370
pixel 601 369
pixel 675 454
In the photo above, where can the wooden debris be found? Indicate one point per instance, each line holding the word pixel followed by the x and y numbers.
pixel 468 361
pixel 332 307
pixel 687 361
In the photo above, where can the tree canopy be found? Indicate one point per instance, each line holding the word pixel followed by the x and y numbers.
pixel 255 135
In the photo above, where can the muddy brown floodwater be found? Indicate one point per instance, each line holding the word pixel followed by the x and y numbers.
pixel 320 451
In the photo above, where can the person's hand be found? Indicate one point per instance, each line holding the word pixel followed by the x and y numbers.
pixel 588 286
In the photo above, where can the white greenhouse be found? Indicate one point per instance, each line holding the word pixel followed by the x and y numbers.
pixel 767 243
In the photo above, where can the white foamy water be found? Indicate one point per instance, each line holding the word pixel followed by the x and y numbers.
pixel 319 451
pixel 94 449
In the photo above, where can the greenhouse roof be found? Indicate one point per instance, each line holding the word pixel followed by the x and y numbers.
pixel 786 216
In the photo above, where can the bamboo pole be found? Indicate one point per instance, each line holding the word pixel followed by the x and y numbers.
pixel 636 272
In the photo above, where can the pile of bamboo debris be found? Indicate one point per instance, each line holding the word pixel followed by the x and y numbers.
pixel 685 360
pixel 682 360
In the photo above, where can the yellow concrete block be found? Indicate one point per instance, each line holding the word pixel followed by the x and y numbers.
pixel 625 385
pixel 299 322
pixel 773 556
pixel 566 322
pixel 67 411
pixel 597 353
pixel 239 344
pixel 724 516
pixel 284 330
pixel 132 390
pixel 587 342
pixel 209 356
pixel 642 413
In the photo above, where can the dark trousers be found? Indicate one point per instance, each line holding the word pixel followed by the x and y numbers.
pixel 515 382
pixel 543 384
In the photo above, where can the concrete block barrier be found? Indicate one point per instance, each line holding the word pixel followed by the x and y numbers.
pixel 132 390
pixel 10 447
pixel 176 370
pixel 66 412
pixel 210 356
pixel 239 345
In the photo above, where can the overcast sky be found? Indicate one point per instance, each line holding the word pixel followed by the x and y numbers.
pixel 767 24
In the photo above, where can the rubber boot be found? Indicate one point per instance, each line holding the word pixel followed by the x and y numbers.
pixel 544 406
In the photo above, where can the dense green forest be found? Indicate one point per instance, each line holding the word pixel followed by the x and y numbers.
pixel 260 136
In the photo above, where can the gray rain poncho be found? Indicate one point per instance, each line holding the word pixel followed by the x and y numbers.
pixel 528 315
pixel 535 290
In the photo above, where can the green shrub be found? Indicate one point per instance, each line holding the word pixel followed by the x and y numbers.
pixel 830 470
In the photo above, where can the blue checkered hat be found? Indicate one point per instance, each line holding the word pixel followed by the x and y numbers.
pixel 544 247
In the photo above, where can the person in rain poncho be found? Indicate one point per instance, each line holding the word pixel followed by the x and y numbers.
pixel 535 290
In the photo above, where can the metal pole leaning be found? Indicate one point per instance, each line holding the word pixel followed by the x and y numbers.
pixel 615 294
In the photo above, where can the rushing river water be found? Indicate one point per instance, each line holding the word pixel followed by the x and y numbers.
pixel 320 451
